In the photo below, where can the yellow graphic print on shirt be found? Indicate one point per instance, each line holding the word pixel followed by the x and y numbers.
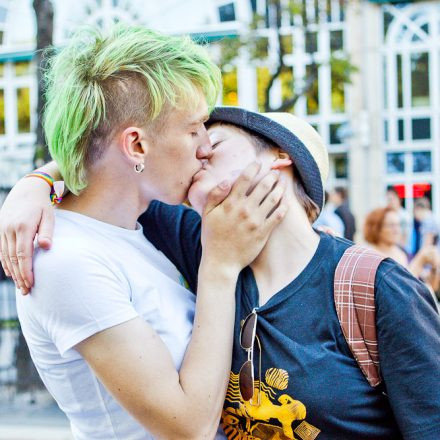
pixel 273 418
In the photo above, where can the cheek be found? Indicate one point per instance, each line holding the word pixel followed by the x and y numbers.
pixel 226 165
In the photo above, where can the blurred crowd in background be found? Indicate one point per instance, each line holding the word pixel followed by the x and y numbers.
pixel 412 239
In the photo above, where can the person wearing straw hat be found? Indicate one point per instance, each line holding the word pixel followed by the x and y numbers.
pixel 292 374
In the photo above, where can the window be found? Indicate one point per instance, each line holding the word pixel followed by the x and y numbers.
pixel 334 134
pixel 227 12
pixel 22 68
pixel 395 163
pixel 263 77
pixel 287 43
pixel 311 42
pixel 422 162
pixel 341 166
pixel 3 14
pixel 313 93
pixel 385 131
pixel 400 130
pixel 336 40
pixel 23 110
pixel 338 92
pixel 421 128
pixel 399 82
pixel 2 112
pixel 411 54
pixel 286 78
pixel 230 96
pixel 419 79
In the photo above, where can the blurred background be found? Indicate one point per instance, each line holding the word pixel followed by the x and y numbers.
pixel 364 73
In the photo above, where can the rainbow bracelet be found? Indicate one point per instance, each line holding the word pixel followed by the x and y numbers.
pixel 56 187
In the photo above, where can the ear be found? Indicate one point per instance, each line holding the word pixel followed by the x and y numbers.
pixel 134 145
pixel 281 161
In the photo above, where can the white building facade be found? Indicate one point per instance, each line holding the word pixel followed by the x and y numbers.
pixel 382 130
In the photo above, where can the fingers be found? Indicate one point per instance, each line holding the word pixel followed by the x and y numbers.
pixel 4 256
pixel 25 249
pixel 45 230
pixel 244 183
pixel 273 199
pixel 12 260
pixel 217 195
pixel 16 257
pixel 264 188
pixel 276 216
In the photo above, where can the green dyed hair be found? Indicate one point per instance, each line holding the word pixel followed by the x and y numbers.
pixel 98 84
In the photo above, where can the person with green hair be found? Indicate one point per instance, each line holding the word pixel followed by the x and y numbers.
pixel 109 322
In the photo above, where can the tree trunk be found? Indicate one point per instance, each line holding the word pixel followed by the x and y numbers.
pixel 44 15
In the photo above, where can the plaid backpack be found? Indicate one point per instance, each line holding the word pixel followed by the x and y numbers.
pixel 356 308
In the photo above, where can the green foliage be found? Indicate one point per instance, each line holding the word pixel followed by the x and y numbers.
pixel 342 69
pixel 229 48
pixel 257 46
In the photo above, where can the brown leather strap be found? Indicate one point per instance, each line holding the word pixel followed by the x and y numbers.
pixel 356 308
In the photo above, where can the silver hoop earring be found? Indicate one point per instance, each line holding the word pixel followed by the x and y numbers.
pixel 139 167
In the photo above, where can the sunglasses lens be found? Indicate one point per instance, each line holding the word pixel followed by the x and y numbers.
pixel 246 379
pixel 247 331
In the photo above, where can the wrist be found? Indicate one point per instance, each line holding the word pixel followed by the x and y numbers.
pixel 214 271
pixel 56 187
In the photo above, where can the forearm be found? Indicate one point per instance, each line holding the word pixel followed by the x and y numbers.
pixel 205 371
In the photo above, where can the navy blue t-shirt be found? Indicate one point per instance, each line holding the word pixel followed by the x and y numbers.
pixel 311 386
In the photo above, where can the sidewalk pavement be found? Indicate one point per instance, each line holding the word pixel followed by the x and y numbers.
pixel 41 420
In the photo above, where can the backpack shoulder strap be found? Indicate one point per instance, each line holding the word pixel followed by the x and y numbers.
pixel 356 308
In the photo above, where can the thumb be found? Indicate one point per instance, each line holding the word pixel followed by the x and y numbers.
pixel 45 230
pixel 217 195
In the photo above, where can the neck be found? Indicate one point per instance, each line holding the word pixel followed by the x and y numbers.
pixel 289 249
pixel 385 247
pixel 109 197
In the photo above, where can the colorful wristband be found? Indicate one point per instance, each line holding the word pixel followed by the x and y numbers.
pixel 56 188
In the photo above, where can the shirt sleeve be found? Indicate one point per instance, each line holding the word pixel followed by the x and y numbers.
pixel 176 231
pixel 408 327
pixel 77 295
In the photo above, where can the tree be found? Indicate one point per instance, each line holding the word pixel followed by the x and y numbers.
pixel 44 15
pixel 28 379
pixel 258 47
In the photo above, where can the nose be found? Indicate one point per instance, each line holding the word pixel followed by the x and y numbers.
pixel 204 150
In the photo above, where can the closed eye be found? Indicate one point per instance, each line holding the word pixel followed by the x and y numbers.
pixel 216 144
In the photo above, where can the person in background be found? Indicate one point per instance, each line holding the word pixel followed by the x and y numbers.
pixel 328 218
pixel 339 197
pixel 429 228
pixel 426 267
pixel 382 230
pixel 394 202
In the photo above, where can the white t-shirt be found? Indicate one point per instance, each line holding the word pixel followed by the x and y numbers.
pixel 97 276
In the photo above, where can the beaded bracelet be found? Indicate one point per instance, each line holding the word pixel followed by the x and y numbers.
pixel 56 188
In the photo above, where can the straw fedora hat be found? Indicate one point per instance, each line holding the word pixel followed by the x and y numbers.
pixel 295 136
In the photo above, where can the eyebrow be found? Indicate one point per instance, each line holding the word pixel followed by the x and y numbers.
pixel 202 120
